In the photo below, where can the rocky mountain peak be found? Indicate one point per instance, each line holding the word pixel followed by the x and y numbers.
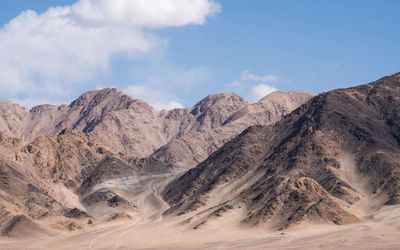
pixel 87 97
pixel 218 101
pixel 43 108
pixel 109 99
pixel 8 103
pixel 106 99
pixel 286 97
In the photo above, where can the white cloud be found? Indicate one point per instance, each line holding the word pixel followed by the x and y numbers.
pixel 260 87
pixel 234 84
pixel 247 76
pixel 260 91
pixel 146 13
pixel 168 106
pixel 157 98
pixel 43 55
pixel 159 87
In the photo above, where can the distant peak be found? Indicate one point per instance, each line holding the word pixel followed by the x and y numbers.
pixel 217 99
pixel 276 95
pixel 42 107
pixel 222 95
pixel 109 91
pixel 10 103
pixel 99 95
pixel 84 98
pixel 218 96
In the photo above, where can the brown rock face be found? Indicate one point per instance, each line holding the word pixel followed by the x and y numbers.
pixel 30 172
pixel 183 137
pixel 12 119
pixel 334 159
pixel 116 119
pixel 195 145
pixel 49 176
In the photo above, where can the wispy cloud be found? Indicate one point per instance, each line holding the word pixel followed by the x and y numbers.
pixel 44 55
pixel 161 85
pixel 255 87
pixel 247 76
pixel 158 98
pixel 260 91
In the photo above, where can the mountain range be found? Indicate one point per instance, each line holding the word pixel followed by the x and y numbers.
pixel 134 128
pixel 56 160
pixel 109 165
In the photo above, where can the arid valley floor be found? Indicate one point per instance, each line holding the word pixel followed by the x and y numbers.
pixel 149 230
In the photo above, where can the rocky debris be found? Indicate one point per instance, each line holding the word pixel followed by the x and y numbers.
pixel 110 168
pixel 41 179
pixel 120 217
pixel 70 225
pixel 113 167
pixel 107 197
pixel 339 150
pixel 118 201
pixel 76 214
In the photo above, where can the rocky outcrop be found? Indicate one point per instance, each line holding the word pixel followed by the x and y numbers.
pixel 49 177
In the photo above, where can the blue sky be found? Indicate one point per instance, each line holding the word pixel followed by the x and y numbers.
pixel 247 47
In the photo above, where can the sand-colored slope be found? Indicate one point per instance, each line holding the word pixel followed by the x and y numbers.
pixel 381 231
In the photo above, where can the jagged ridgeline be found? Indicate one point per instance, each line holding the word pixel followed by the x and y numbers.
pixel 134 128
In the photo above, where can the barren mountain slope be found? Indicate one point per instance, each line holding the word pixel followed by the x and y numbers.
pixel 118 120
pixel 38 178
pixel 334 159
pixel 192 147
pixel 122 123
pixel 45 181
pixel 134 128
